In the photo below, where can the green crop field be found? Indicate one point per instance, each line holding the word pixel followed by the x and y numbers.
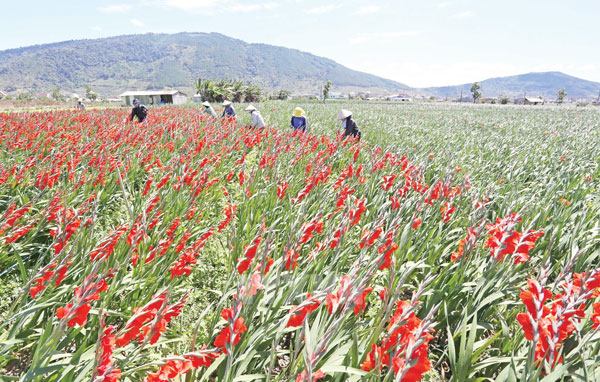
pixel 452 242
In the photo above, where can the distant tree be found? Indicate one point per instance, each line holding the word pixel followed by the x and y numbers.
pixel 90 94
pixel 227 89
pixel 326 90
pixel 57 95
pixel 432 98
pixel 475 90
pixel 237 90
pixel 560 95
pixel 252 93
pixel 503 99
pixel 283 94
pixel 24 96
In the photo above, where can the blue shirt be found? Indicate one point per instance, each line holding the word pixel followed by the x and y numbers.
pixel 229 110
pixel 299 123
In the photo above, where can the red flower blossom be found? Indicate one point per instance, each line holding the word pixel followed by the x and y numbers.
pixel 281 189
pixel 596 316
pixel 303 377
pixel 224 338
pixel 290 259
pixel 229 212
pixel 299 313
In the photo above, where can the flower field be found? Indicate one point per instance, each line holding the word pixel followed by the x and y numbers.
pixel 452 243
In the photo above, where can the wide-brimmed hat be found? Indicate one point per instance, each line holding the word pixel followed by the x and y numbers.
pixel 343 114
pixel 206 103
pixel 226 103
pixel 298 112
pixel 250 108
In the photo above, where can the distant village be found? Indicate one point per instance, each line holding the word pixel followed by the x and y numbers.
pixel 179 97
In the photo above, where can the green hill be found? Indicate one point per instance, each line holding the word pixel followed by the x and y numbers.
pixel 544 84
pixel 153 61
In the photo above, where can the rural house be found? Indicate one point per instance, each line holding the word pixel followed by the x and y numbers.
pixel 400 98
pixel 154 97
pixel 529 101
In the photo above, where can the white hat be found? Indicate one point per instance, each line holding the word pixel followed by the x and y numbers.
pixel 250 108
pixel 206 103
pixel 343 114
pixel 226 103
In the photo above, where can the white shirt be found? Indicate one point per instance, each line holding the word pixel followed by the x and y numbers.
pixel 257 119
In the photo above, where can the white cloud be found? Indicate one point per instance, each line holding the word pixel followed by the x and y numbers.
pixel 120 8
pixel 322 9
pixel 211 7
pixel 443 4
pixel 96 28
pixel 462 15
pixel 136 22
pixel 192 5
pixel 367 9
pixel 367 37
pixel 251 7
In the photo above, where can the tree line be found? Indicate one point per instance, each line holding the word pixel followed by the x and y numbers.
pixel 228 89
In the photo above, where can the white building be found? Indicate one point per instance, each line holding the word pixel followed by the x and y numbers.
pixel 399 98
pixel 154 97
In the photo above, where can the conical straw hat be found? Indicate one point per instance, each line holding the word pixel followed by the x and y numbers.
pixel 343 114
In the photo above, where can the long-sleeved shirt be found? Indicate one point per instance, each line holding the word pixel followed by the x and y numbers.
pixel 139 111
pixel 299 123
pixel 257 119
pixel 210 110
pixel 229 111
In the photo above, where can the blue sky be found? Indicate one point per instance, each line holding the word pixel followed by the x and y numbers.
pixel 420 42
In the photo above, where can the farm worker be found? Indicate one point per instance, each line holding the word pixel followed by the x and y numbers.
pixel 80 105
pixel 140 111
pixel 257 119
pixel 209 109
pixel 229 110
pixel 299 121
pixel 350 128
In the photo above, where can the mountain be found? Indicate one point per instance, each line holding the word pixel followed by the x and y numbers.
pixel 544 84
pixel 154 61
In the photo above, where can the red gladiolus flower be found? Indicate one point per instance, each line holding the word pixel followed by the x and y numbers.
pixel 170 369
pixel 290 259
pixel 140 325
pixel 309 228
pixel 368 238
pixel 356 213
pixel 106 247
pixel 504 240
pixel 229 212
pixel 359 301
pixel 281 189
pixel 395 202
pixel 299 313
pixel 388 182
pixel 249 253
pixel 107 347
pixel 204 359
pixel 148 185
pixel 224 338
pixel 447 210
pixel 416 223
pixel 303 377
pixel 470 239
pixel 376 358
pixel 19 233
pixel 596 316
